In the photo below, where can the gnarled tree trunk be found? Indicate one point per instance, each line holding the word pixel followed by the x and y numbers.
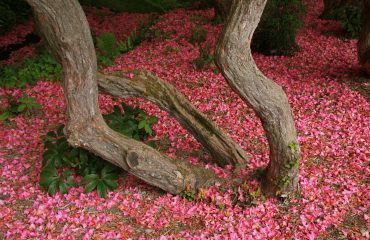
pixel 66 30
pixel 364 40
pixel 266 97
pixel 220 146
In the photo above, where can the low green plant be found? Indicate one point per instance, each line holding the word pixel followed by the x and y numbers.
pixel 7 18
pixel 26 105
pixel 351 18
pixel 108 47
pixel 164 5
pixel 61 161
pixel 205 57
pixel 30 71
pixel 275 34
pixel 13 12
pixel 133 122
pixel 198 35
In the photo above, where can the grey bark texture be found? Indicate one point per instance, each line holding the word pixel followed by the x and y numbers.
pixel 66 30
pixel 220 146
pixel 364 40
pixel 267 99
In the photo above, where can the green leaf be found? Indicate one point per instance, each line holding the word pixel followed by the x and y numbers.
pixel 109 168
pixel 60 130
pixel 63 188
pixel 51 135
pixel 71 182
pixel 102 189
pixel 53 187
pixel 90 186
pixel 111 184
pixel 142 124
pixel 111 176
pixel 5 115
pixel 152 120
pixel 152 143
pixel 129 111
pixel 90 177
pixel 49 172
pixel 47 176
pixel 21 107
pixel 148 130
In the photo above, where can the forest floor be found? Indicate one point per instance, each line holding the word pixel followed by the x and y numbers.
pixel 332 122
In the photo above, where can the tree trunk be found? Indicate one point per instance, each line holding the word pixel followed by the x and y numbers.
pixel 364 40
pixel 66 30
pixel 222 149
pixel 266 97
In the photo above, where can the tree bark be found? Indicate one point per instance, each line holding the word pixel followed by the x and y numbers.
pixel 222 149
pixel 66 30
pixel 364 40
pixel 266 98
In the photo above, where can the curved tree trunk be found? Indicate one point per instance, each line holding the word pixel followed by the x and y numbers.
pixel 222 149
pixel 266 97
pixel 364 40
pixel 66 30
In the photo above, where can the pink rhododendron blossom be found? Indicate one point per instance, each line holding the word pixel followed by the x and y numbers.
pixel 332 122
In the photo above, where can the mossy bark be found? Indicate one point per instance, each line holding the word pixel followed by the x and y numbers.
pixel 220 146
pixel 65 28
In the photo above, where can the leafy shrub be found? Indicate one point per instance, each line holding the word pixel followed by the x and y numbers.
pixel 351 18
pixel 13 12
pixel 108 47
pixel 164 5
pixel 146 6
pixel 61 161
pixel 277 29
pixel 32 70
pixel 205 57
pixel 198 35
pixel 143 6
pixel 7 18
pixel 134 122
pixel 24 105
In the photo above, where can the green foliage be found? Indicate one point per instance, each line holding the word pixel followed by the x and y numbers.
pixel 164 5
pixel 106 180
pixel 134 122
pixel 59 156
pixel 108 47
pixel 24 105
pixel 61 161
pixel 277 29
pixel 189 195
pixel 198 35
pixel 351 18
pixel 145 6
pixel 13 12
pixel 205 57
pixel 32 70
pixel 7 18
